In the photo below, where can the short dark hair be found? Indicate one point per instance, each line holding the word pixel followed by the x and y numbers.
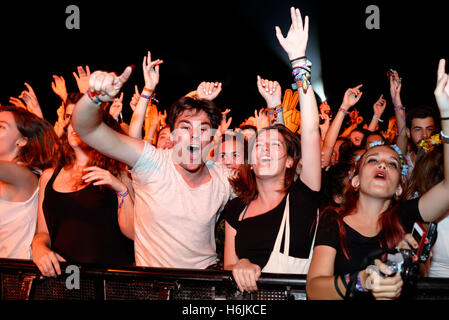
pixel 372 133
pixel 187 103
pixel 73 97
pixel 420 112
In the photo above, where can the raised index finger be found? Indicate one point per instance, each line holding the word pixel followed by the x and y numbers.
pixel 441 69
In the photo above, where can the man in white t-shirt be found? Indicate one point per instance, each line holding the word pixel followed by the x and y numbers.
pixel 178 196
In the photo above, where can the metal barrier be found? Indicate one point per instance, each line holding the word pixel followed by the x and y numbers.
pixel 21 280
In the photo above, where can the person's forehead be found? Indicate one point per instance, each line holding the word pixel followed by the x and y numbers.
pixel 8 118
pixel 356 134
pixel 383 151
pixel 423 122
pixel 69 108
pixel 193 116
pixel 271 134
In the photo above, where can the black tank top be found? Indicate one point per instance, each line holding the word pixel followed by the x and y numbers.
pixel 83 225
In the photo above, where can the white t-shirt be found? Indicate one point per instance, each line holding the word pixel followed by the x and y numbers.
pixel 17 227
pixel 439 263
pixel 174 223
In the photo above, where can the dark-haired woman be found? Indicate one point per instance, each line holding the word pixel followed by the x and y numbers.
pixel 28 145
pixel 267 191
pixel 85 209
pixel 373 218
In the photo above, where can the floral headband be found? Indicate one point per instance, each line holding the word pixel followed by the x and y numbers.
pixel 404 167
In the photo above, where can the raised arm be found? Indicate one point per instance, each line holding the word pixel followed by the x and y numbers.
pixel 295 45
pixel 378 110
pixel 271 92
pixel 87 119
pixel 399 110
pixel 435 202
pixel 351 97
pixel 151 75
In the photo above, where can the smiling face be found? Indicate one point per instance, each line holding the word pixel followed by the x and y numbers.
pixel 10 138
pixel 269 155
pixel 191 135
pixel 164 139
pixel 73 138
pixel 231 154
pixel 380 173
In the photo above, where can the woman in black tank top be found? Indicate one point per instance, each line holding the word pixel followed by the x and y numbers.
pixel 85 210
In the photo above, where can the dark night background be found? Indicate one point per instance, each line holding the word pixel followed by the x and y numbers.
pixel 227 41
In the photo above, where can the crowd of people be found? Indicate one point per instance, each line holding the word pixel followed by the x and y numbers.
pixel 292 189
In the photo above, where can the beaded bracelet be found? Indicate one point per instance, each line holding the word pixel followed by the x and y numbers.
pixel 399 107
pixel 94 98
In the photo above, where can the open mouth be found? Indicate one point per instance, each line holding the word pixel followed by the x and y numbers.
pixel 265 159
pixel 194 149
pixel 380 175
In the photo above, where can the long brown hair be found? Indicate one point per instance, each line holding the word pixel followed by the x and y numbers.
pixel 41 149
pixel 67 155
pixel 244 184
pixel 388 220
pixel 428 171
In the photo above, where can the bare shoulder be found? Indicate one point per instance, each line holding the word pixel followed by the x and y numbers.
pixel 45 176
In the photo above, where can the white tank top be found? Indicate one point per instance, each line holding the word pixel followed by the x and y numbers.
pixel 17 227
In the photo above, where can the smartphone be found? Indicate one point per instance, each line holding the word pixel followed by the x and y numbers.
pixel 419 234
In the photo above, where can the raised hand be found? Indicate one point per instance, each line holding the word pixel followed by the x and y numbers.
pixel 135 98
pixel 116 107
pixel 163 117
pixel 395 87
pixel 295 43
pixel 208 90
pixel 379 106
pixel 101 177
pixel 59 87
pixel 82 78
pixel 151 71
pixel 351 97
pixel 31 101
pixel 107 85
pixel 270 91
pixel 17 102
pixel 442 89
pixel 262 119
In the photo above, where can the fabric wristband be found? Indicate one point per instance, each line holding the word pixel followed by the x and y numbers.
pixel 94 98
pixel 377 118
pixel 346 112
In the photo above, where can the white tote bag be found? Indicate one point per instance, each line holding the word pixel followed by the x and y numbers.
pixel 281 262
